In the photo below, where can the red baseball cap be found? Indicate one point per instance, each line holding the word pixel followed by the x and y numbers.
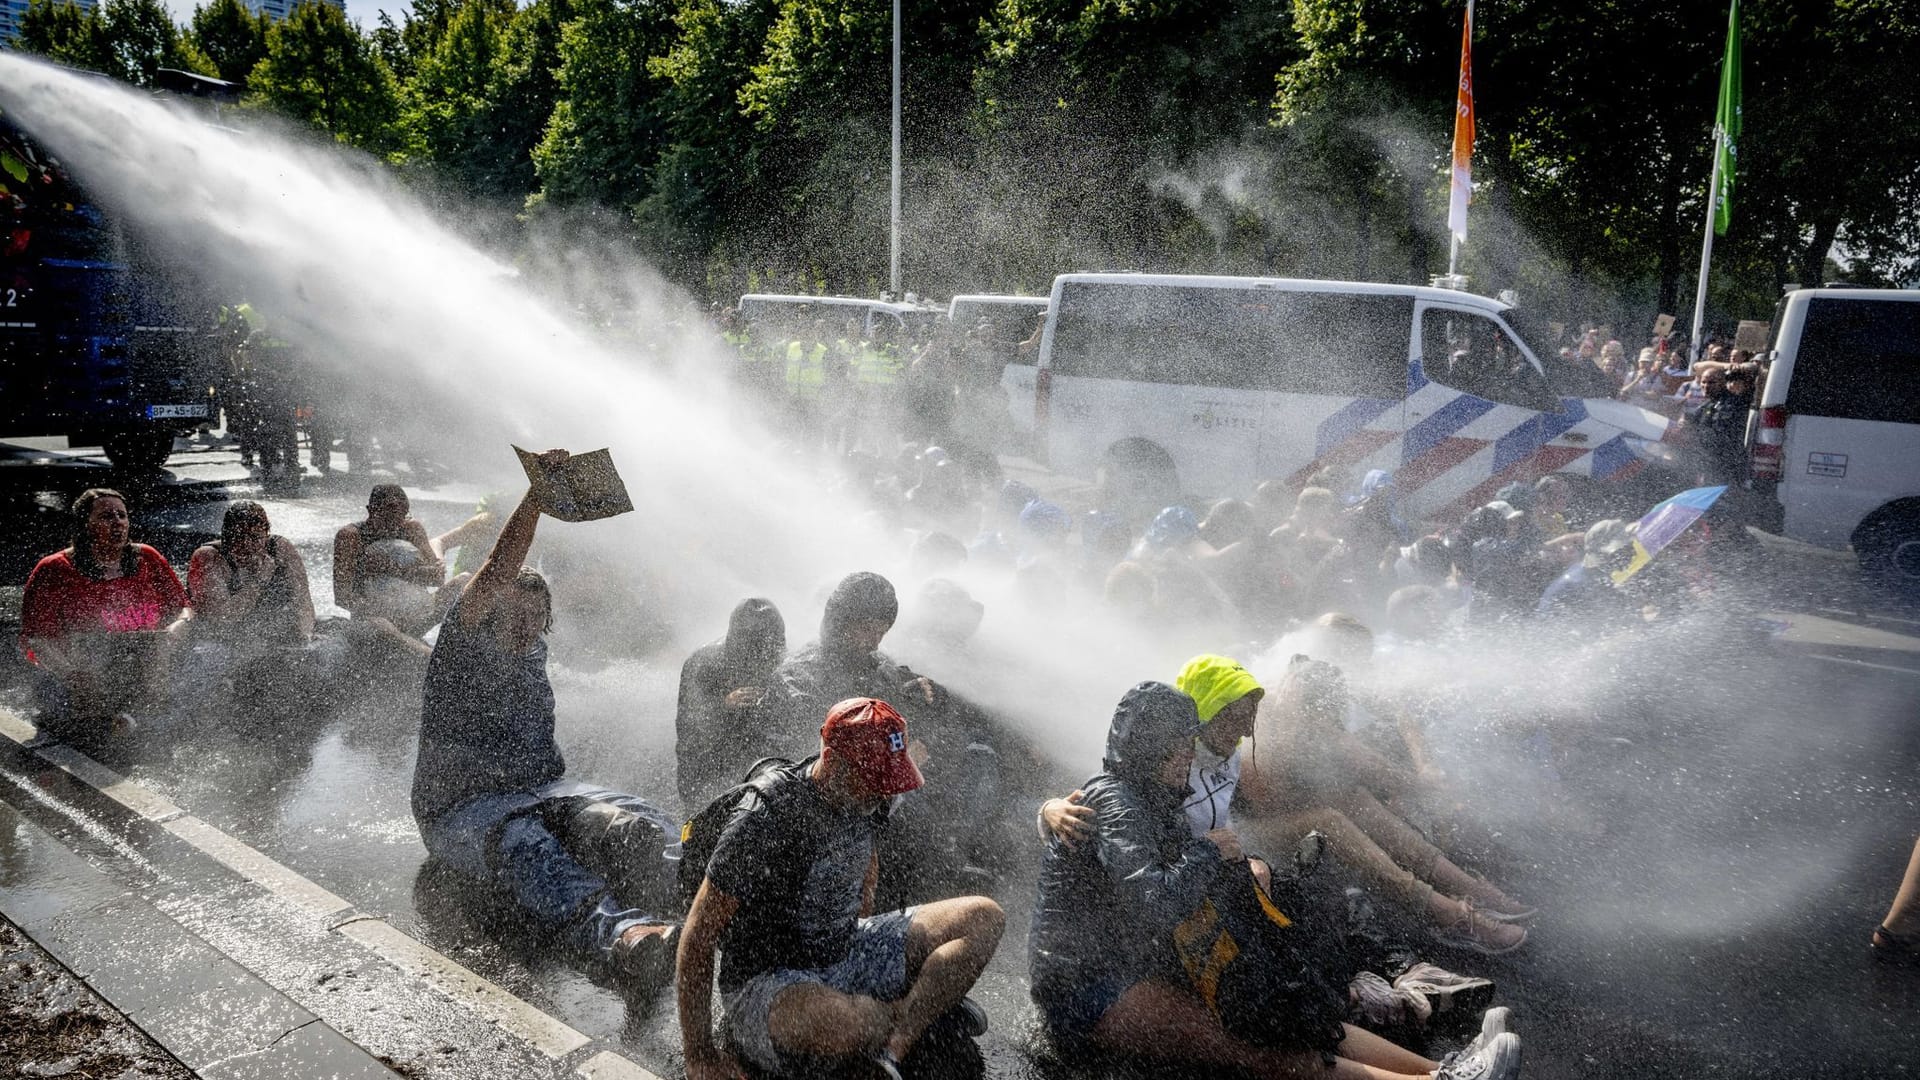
pixel 871 737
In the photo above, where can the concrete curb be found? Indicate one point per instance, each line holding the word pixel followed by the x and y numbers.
pixel 209 1005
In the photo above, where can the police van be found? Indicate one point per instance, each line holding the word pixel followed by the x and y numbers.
pixel 781 315
pixel 1240 380
pixel 1835 435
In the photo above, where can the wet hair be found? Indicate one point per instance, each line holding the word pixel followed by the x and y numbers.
pixel 384 492
pixel 532 581
pixel 239 513
pixel 83 545
pixel 1315 689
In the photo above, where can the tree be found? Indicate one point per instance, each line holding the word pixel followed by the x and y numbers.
pixel 141 39
pixel 66 33
pixel 321 70
pixel 607 128
pixel 231 36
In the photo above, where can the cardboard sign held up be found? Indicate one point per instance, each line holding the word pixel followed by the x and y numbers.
pixel 1663 325
pixel 586 487
pixel 1752 335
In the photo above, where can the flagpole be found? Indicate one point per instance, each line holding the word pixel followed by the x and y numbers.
pixel 1706 251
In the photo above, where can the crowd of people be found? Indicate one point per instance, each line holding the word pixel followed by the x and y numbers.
pixel 1253 879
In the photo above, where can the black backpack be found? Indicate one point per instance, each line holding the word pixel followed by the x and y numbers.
pixel 701 833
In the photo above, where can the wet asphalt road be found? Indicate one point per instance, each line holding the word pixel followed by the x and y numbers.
pixel 1758 813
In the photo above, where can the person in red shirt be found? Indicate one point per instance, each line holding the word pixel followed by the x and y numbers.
pixel 94 617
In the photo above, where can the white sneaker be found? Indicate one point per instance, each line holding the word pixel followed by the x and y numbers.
pixel 1447 990
pixel 1496 1059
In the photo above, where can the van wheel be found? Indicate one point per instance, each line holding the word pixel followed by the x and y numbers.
pixel 139 451
pixel 1888 545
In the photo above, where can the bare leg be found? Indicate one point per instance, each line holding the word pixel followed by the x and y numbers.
pixel 822 1022
pixel 948 945
pixel 1408 848
pixel 1903 918
pixel 1158 1021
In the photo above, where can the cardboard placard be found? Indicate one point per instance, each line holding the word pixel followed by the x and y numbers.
pixel 1753 335
pixel 1663 325
pixel 585 488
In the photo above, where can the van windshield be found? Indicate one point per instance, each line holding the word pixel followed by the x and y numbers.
pixel 1340 344
pixel 1858 359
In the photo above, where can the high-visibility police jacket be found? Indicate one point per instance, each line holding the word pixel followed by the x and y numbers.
pixel 878 365
pixel 806 368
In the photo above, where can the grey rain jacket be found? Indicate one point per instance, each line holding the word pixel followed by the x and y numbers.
pixel 1108 907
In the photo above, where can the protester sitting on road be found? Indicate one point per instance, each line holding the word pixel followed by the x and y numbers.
pixel 808 973
pixel 1103 969
pixel 385 569
pixel 249 586
pixel 251 615
pixel 1227 698
pixel 718 726
pixel 93 621
pixel 1306 774
pixel 490 794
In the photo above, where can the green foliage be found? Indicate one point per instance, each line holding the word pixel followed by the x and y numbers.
pixel 320 69
pixel 232 37
pixel 746 141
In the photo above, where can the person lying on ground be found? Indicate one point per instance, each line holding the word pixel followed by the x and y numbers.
pixel 93 621
pixel 722 687
pixel 1227 698
pixel 490 791
pixel 1104 969
pixel 808 974
pixel 1307 774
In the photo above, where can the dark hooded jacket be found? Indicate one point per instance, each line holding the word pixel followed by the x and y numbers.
pixel 715 745
pixel 1108 906
pixel 821 675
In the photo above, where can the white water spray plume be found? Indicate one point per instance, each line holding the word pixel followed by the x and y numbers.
pixel 357 272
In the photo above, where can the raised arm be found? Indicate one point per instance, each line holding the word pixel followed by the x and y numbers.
pixel 509 554
pixel 707 919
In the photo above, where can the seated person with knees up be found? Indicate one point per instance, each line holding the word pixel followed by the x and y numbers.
pixel 251 609
pixel 1104 955
pixel 92 620
pixel 490 792
pixel 722 688
pixel 385 569
pixel 808 974
pixel 1227 698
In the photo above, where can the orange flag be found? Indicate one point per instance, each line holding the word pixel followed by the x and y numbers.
pixel 1462 188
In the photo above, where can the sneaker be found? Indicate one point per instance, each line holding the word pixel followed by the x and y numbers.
pixel 1496 1059
pixel 885 1067
pixel 1373 1003
pixel 1446 991
pixel 645 954
pixel 1494 1023
pixel 1476 933
pixel 973 1018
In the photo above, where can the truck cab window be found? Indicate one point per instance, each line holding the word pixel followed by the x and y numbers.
pixel 1473 354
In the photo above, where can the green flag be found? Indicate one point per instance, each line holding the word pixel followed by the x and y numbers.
pixel 1726 123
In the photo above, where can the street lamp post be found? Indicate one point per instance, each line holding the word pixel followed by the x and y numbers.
pixel 893 271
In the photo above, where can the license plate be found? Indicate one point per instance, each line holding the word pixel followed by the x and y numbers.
pixel 172 412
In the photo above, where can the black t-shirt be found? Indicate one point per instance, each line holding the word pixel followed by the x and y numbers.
pixel 486 721
pixel 798 866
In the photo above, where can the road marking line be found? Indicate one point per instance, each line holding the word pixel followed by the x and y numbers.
pixel 256 867
pixel 607 1065
pixel 536 1028
pixel 17 728
pixel 143 801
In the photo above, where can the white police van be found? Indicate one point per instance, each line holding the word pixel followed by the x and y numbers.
pixel 781 314
pixel 1241 380
pixel 1836 430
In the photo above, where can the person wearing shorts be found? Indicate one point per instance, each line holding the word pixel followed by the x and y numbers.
pixel 807 973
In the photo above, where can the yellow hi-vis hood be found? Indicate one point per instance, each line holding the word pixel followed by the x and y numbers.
pixel 1215 682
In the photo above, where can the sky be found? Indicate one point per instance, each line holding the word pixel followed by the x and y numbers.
pixel 364 12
